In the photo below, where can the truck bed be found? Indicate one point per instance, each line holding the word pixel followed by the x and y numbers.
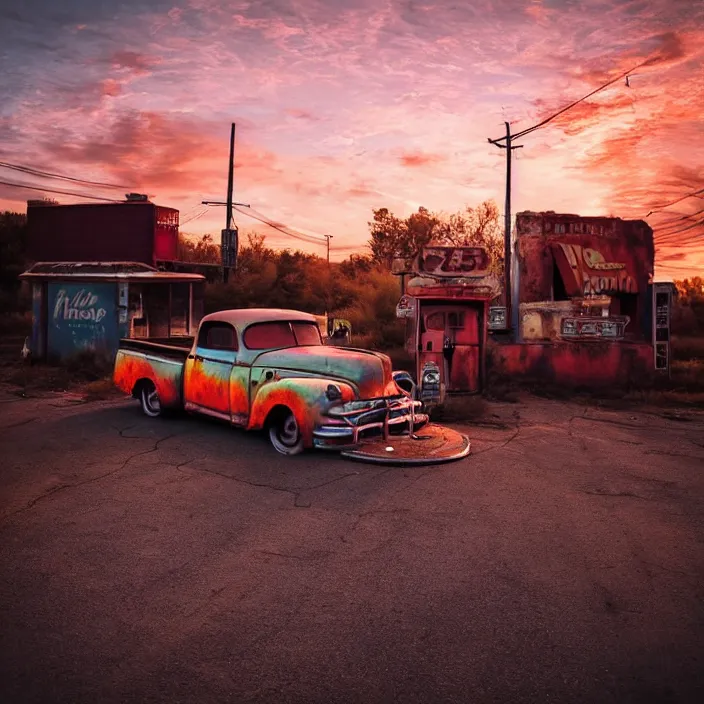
pixel 159 362
pixel 168 347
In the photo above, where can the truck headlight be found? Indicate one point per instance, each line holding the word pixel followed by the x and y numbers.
pixel 333 392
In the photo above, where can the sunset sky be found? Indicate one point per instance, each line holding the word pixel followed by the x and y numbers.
pixel 343 106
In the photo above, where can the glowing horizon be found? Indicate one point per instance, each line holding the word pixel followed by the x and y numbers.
pixel 346 106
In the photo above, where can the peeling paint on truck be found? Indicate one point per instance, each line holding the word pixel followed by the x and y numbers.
pixel 331 396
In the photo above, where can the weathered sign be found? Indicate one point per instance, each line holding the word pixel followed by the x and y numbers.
pixel 612 328
pixel 497 318
pixel 228 247
pixel 453 261
pixel 406 307
pixel 586 271
pixel 661 332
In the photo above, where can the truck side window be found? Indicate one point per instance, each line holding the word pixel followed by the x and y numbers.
pixel 217 336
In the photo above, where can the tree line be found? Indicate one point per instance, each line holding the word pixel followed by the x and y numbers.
pixel 360 289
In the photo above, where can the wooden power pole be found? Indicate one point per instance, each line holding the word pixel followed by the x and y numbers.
pixel 327 302
pixel 229 241
pixel 511 305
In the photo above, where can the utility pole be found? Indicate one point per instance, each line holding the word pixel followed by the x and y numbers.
pixel 327 302
pixel 511 305
pixel 328 238
pixel 229 237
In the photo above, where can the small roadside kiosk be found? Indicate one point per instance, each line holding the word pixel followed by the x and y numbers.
pixel 445 303
pixel 92 305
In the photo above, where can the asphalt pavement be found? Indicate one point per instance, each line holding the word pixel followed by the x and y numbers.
pixel 179 560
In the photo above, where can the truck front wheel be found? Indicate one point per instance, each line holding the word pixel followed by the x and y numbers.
pixel 149 398
pixel 284 433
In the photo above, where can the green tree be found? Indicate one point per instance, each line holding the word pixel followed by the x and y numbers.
pixel 13 245
pixel 480 226
pixel 201 251
pixel 688 307
pixel 689 290
pixel 356 265
pixel 13 260
pixel 393 237
pixel 356 289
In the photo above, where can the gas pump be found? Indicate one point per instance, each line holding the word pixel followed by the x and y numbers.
pixel 662 306
pixel 445 303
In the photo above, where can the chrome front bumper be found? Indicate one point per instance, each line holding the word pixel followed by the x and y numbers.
pixel 347 424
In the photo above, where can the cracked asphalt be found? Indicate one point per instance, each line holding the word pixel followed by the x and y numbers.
pixel 178 560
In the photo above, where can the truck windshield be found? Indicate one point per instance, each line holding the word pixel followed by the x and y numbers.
pixel 274 335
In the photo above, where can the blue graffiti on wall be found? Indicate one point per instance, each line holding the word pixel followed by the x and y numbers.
pixel 81 316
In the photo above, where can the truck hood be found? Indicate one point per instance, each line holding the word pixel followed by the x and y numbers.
pixel 369 371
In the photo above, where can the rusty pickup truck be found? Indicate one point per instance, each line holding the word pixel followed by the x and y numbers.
pixel 268 369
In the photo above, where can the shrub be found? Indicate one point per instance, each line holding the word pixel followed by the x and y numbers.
pixel 89 365
pixel 687 348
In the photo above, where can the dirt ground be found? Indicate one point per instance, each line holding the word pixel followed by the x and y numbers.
pixel 180 560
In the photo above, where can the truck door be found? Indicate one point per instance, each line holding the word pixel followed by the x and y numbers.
pixel 206 383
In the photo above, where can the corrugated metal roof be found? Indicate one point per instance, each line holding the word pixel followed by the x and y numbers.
pixel 106 271
pixel 89 268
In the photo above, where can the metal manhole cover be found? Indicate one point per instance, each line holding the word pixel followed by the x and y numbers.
pixel 436 445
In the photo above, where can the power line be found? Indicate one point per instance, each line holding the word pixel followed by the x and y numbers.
pixel 313 238
pixel 667 235
pixel 544 122
pixel 670 223
pixel 191 211
pixel 688 242
pixel 281 227
pixel 63 193
pixel 286 230
pixel 48 174
pixel 250 212
pixel 194 217
pixel 661 229
pixel 351 248
pixel 693 194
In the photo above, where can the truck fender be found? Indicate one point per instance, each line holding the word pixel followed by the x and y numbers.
pixel 131 371
pixel 305 397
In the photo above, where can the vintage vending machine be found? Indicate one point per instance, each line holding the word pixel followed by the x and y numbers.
pixel 662 306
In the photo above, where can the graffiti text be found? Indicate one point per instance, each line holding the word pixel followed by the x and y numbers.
pixel 82 306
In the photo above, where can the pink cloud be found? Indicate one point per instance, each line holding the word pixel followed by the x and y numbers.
pixel 420 159
pixel 111 88
pixel 136 63
pixel 408 96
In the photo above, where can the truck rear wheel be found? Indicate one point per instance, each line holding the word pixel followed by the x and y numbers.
pixel 149 399
pixel 284 433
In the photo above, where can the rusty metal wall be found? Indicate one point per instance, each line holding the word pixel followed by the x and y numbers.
pixel 563 256
pixel 628 241
pixel 101 232
pixel 573 364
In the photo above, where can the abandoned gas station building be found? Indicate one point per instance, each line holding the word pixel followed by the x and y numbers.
pixel 588 311
pixel 582 306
